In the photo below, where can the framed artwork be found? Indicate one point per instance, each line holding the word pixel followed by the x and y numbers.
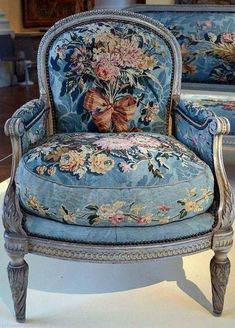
pixel 44 13
pixel 206 2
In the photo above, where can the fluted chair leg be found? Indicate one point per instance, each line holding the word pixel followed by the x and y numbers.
pixel 220 269
pixel 18 279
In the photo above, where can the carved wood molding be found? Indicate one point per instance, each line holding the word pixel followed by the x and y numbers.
pixel 116 254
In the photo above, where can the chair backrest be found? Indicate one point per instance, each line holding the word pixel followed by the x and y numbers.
pixel 110 71
pixel 206 35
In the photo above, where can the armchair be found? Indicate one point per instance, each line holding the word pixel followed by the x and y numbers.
pixel 109 165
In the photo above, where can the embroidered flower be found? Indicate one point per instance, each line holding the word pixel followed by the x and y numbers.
pixel 127 53
pixel 114 143
pixel 149 113
pixel 72 161
pixel 227 37
pixel 51 170
pixel 145 141
pixel 164 220
pixel 125 167
pixel 36 205
pixel 41 169
pixel 164 208
pixel 117 218
pixel 145 219
pixel 61 51
pixel 192 206
pixel 101 163
pixel 79 59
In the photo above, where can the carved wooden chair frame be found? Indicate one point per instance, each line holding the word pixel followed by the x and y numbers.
pixel 18 243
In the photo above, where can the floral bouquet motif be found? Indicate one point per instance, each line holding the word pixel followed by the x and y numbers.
pixel 108 64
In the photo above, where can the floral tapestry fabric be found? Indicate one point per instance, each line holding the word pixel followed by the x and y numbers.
pixel 220 105
pixel 110 77
pixel 109 179
pixel 192 129
pixel 34 115
pixel 207 41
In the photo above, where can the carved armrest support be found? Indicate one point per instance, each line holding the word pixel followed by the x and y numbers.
pixel 26 128
pixel 202 131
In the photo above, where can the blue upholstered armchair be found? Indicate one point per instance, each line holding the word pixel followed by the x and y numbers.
pixel 109 165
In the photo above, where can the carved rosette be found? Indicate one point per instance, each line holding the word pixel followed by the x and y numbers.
pixel 219 279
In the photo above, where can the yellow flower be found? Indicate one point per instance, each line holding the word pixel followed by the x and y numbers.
pixel 35 205
pixel 72 161
pixel 164 220
pixel 101 163
pixel 147 62
pixel 192 206
pixel 191 192
pixel 41 169
pixel 136 208
pixel 118 204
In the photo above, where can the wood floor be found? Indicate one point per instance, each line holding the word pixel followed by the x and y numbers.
pixel 11 98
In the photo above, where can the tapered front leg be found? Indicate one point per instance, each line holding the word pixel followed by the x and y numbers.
pixel 18 279
pixel 220 269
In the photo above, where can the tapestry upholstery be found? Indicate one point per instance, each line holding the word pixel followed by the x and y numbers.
pixel 110 77
pixel 221 105
pixel 207 41
pixel 197 225
pixel 120 179
pixel 34 115
pixel 195 128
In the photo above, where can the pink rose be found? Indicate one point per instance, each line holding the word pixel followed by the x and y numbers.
pixel 227 37
pixel 117 218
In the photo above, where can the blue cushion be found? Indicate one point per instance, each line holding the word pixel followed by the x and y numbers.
pixel 124 179
pixel 112 76
pixel 199 224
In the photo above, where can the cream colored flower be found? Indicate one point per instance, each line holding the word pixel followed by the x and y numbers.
pixel 118 204
pixel 164 220
pixel 35 205
pixel 101 163
pixel 41 169
pixel 192 206
pixel 136 208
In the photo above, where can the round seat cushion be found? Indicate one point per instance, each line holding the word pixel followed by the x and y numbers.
pixel 124 179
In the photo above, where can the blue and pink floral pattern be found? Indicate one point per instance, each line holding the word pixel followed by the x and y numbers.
pixel 207 41
pixel 34 115
pixel 114 179
pixel 192 128
pixel 110 77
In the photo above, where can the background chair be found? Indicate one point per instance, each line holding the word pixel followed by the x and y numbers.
pixel 109 165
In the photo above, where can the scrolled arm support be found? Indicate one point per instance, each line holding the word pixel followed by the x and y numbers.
pixel 202 131
pixel 26 128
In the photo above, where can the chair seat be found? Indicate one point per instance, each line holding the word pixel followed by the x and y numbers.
pixel 45 228
pixel 125 179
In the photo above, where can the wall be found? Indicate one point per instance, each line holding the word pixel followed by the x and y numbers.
pixel 160 2
pixel 12 9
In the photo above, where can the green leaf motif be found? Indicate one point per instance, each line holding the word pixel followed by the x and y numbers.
pixel 92 219
pixel 183 213
pixel 92 207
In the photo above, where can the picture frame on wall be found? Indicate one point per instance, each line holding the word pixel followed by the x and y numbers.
pixel 206 2
pixel 44 13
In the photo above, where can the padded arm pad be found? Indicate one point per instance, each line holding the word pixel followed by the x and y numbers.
pixel 29 124
pixel 196 127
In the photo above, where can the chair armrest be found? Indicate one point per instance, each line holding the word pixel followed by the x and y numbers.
pixel 27 127
pixel 196 127
pixel 29 124
pixel 202 131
